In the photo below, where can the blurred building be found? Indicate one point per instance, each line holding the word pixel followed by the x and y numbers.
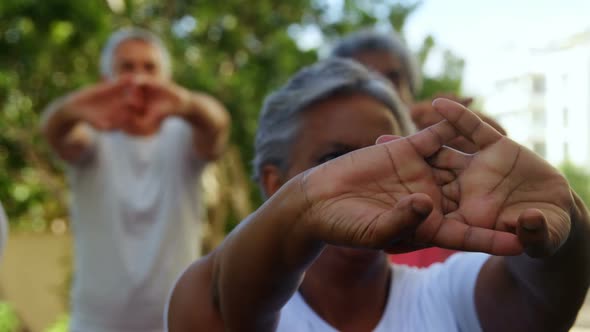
pixel 546 106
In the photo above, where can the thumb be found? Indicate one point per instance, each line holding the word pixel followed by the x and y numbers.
pixel 533 233
pixel 402 221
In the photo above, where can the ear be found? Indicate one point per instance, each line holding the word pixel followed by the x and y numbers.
pixel 271 179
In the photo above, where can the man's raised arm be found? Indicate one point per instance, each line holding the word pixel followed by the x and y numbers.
pixel 67 121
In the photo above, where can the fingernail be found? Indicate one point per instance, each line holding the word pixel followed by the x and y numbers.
pixel 421 208
pixel 384 139
pixel 531 227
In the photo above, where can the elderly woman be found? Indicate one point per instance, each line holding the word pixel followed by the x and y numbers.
pixel 312 257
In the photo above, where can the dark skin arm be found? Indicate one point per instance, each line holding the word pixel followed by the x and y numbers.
pixel 543 289
pixel 503 200
pixel 540 294
pixel 271 279
pixel 340 203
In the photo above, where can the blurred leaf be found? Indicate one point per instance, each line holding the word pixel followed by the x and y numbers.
pixel 9 321
pixel 578 178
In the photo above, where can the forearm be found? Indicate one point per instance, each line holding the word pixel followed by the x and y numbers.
pixel 556 286
pixel 262 264
pixel 62 128
pixel 210 121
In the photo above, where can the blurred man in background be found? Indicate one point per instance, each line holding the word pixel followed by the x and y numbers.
pixel 135 145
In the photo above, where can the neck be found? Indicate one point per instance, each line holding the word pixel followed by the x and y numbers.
pixel 348 288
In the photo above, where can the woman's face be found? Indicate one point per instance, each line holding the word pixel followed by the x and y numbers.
pixel 339 125
pixel 331 128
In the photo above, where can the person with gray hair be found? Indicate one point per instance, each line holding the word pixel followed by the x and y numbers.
pixel 387 54
pixel 107 56
pixel 281 110
pixel 344 186
pixel 135 145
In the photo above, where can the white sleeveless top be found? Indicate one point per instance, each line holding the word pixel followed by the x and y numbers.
pixel 136 212
pixel 433 299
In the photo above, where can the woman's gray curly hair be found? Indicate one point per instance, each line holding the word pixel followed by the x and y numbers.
pixel 279 122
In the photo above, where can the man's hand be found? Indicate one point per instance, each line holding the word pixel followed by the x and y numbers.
pixel 503 186
pixel 136 105
pixel 160 99
pixel 105 106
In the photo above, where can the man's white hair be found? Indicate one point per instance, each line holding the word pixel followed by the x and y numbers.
pixel 131 33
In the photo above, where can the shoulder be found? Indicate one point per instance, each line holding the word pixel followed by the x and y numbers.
pixel 191 304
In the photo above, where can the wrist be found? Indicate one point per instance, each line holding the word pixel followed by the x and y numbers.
pixel 186 104
pixel 301 205
pixel 291 208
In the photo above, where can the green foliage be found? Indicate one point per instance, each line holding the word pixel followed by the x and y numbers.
pixel 61 325
pixel 9 321
pixel 49 47
pixel 235 50
pixel 579 180
pixel 447 81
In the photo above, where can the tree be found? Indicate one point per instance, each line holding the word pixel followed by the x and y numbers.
pixel 232 49
pixel 52 47
pixel 578 178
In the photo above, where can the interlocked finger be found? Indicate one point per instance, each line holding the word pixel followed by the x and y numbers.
pixel 467 123
pixel 429 140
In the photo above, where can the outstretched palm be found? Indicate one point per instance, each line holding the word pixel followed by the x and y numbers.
pixel 502 200
pixel 503 187
pixel 107 105
pixel 352 198
pixel 160 99
pixel 377 196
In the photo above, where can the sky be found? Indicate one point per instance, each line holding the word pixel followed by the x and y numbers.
pixel 495 37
